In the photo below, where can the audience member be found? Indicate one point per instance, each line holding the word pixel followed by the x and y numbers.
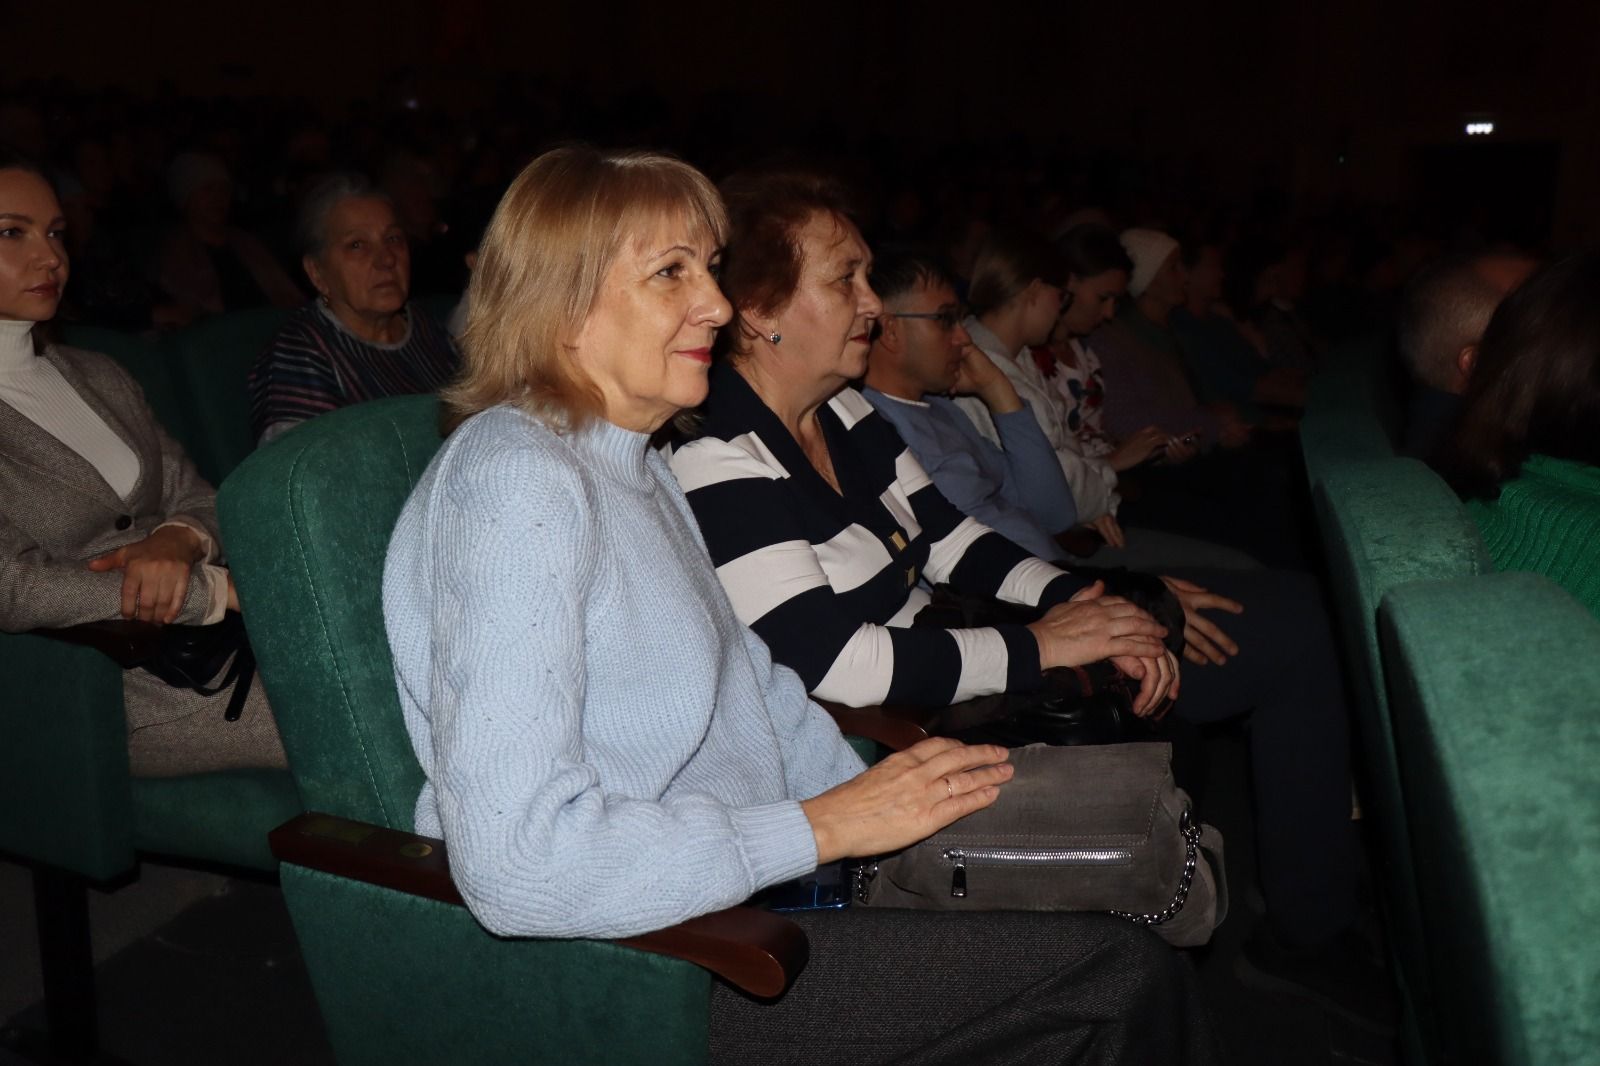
pixel 1442 315
pixel 820 521
pixel 103 516
pixel 360 339
pixel 607 749
pixel 1523 451
pixel 1222 359
pixel 1146 381
pixel 207 265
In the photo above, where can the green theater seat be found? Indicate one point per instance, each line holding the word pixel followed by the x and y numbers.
pixel 1384 524
pixel 1351 412
pixel 402 971
pixel 214 358
pixel 71 813
pixel 1495 684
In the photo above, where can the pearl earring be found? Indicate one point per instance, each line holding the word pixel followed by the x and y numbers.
pixel 774 336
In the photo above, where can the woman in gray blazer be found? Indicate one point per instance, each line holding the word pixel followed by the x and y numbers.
pixel 102 516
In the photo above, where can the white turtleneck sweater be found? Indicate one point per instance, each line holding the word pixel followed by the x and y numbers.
pixel 35 389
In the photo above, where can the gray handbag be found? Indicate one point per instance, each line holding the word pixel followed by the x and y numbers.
pixel 1091 828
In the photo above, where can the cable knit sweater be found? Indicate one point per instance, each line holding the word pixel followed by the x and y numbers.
pixel 1547 520
pixel 607 749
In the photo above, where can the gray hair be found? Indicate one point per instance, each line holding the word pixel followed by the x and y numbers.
pixel 311 230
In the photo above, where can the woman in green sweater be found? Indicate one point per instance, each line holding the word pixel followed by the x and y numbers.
pixel 1525 454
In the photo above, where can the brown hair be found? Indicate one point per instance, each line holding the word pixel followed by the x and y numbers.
pixel 761 265
pixel 1007 263
pixel 544 256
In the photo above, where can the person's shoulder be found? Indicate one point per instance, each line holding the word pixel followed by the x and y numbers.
pixel 98 370
pixel 852 407
pixel 1567 473
pixel 709 460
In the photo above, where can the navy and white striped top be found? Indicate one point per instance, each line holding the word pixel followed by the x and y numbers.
pixel 831 581
pixel 314 365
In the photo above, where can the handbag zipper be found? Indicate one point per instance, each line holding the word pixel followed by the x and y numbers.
pixel 960 857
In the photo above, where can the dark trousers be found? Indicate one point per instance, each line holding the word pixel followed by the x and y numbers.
pixel 939 989
pixel 1254 499
pixel 1286 678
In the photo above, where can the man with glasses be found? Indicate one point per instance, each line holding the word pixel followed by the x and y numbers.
pixel 921 355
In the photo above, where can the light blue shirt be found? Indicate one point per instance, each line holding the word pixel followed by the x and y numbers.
pixel 1017 489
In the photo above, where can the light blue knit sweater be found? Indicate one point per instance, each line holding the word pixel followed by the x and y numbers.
pixel 608 750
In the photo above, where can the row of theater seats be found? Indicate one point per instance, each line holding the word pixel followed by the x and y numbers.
pixel 1478 713
pixel 194 378
pixel 401 971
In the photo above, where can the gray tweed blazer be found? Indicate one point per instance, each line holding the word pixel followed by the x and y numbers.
pixel 57 512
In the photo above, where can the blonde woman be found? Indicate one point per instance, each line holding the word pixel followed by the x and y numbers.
pixel 607 749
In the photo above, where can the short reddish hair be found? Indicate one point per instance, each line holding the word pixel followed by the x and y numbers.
pixel 762 259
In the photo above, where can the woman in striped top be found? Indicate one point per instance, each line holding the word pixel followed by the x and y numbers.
pixel 360 339
pixel 821 523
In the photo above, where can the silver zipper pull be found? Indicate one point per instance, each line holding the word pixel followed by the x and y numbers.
pixel 958 876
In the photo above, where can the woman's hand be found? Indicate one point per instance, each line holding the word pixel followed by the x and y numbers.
pixel 1146 444
pixel 1203 641
pixel 1158 678
pixel 908 796
pixel 1110 531
pixel 233 595
pixel 155 572
pixel 1093 626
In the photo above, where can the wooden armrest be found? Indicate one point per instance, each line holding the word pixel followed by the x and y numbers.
pixel 895 728
pixel 754 950
pixel 124 642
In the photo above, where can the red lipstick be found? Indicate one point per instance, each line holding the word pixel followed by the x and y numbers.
pixel 699 355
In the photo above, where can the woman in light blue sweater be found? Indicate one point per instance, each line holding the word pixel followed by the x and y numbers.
pixel 607 749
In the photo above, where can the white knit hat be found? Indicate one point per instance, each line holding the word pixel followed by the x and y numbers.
pixel 1148 248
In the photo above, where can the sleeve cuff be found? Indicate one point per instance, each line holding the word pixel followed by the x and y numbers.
pixel 208 543
pixel 777 842
pixel 216 604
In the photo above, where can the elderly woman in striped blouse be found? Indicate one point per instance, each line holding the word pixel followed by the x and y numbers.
pixel 822 524
pixel 360 339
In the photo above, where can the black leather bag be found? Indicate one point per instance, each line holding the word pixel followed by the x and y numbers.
pixel 207 659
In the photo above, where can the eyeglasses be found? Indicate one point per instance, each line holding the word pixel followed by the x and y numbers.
pixel 948 317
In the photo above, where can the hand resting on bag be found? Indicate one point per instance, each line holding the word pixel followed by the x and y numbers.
pixel 910 795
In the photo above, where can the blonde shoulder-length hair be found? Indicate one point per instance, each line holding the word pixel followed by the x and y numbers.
pixel 553 238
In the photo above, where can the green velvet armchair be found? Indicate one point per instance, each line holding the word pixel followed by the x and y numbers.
pixel 213 359
pixel 71 813
pixel 401 970
pixel 1383 524
pixel 1495 684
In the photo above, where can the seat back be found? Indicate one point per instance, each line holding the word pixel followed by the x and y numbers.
pixel 63 758
pixel 1494 681
pixel 307 523
pixel 214 357
pixel 1352 414
pixel 1385 524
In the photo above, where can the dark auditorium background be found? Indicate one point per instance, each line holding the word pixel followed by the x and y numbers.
pixel 1315 105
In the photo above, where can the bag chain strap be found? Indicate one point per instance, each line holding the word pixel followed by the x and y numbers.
pixel 1191 857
